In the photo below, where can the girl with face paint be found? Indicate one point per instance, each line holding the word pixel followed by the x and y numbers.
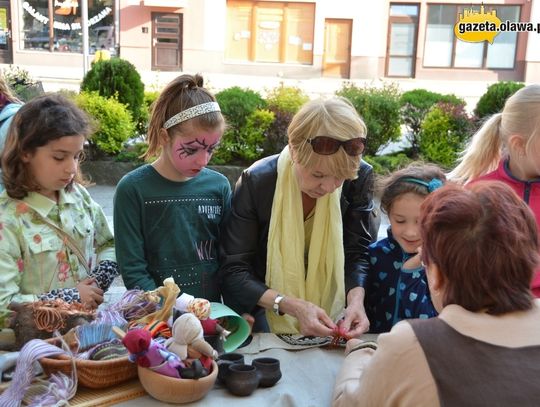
pixel 167 214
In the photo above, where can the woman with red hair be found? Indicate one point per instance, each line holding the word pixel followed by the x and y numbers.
pixel 480 249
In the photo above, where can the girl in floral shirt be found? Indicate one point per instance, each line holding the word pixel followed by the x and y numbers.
pixel 50 228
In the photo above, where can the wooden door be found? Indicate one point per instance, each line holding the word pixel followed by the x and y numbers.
pixel 6 52
pixel 268 32
pixel 167 42
pixel 337 48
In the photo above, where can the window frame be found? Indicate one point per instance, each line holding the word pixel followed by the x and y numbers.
pixel 459 9
pixel 284 32
pixel 407 20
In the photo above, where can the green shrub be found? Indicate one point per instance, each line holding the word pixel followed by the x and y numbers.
pixel 244 146
pixel 385 164
pixel 68 93
pixel 414 106
pixel 493 100
pixel 21 83
pixel 284 102
pixel 276 136
pixel 237 104
pixel 444 131
pixel 112 120
pixel 287 99
pixel 119 78
pixel 149 99
pixel 133 153
pixel 380 110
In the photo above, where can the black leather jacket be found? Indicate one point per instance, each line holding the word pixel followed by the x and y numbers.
pixel 244 235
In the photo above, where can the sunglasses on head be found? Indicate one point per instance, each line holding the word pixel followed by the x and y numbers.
pixel 325 145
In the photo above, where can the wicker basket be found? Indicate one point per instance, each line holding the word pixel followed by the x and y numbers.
pixel 95 374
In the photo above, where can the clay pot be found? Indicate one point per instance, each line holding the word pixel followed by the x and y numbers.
pixel 224 361
pixel 242 379
pixel 268 370
pixel 172 390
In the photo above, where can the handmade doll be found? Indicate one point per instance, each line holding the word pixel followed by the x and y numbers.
pixel 200 307
pixel 188 343
pixel 148 353
pixel 167 293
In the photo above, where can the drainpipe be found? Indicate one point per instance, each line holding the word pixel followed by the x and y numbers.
pixel 84 26
pixel 117 26
pixel 51 26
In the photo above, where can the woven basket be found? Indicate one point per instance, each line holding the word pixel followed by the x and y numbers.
pixel 94 374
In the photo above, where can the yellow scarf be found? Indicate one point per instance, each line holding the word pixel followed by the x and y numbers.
pixel 323 284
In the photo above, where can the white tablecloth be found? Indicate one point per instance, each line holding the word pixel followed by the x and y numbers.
pixel 308 378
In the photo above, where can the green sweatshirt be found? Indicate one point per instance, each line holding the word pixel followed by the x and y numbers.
pixel 170 229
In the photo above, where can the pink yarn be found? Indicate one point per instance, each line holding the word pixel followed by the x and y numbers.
pixel 24 374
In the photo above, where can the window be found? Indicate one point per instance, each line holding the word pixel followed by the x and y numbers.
pixel 66 33
pixel 280 32
pixel 443 49
pixel 402 30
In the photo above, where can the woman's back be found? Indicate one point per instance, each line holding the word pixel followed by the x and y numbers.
pixel 484 373
pixel 463 363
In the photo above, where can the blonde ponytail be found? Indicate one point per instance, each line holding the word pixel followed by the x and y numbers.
pixel 482 154
pixel 520 116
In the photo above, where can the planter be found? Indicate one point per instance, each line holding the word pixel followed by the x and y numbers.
pixel 28 92
pixel 106 172
pixel 110 172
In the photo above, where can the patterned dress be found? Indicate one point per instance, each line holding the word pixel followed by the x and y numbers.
pixel 394 293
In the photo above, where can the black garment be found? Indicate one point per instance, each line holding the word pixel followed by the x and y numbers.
pixel 469 372
pixel 244 234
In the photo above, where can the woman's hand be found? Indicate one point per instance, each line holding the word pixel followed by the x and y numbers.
pixel 250 320
pixel 91 294
pixel 355 321
pixel 313 320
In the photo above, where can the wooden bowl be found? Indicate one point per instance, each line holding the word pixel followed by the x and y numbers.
pixel 172 390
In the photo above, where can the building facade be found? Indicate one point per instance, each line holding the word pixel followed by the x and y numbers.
pixel 350 39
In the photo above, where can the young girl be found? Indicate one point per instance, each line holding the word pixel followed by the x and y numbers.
pixel 49 224
pixel 396 286
pixel 167 214
pixel 507 149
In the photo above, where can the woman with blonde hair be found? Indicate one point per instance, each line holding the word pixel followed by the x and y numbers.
pixel 507 149
pixel 294 247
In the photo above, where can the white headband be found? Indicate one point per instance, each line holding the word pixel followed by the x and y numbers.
pixel 191 113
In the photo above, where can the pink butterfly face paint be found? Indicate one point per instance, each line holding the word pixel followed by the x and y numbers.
pixel 191 154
